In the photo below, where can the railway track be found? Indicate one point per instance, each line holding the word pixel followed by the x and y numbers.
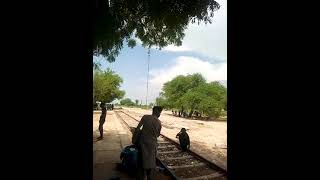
pixel 181 165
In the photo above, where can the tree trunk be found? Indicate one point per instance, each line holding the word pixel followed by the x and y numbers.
pixel 190 114
pixel 182 111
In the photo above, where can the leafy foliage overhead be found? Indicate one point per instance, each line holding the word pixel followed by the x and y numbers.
pixel 155 22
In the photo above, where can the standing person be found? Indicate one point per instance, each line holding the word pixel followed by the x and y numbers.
pixel 102 119
pixel 145 138
pixel 183 139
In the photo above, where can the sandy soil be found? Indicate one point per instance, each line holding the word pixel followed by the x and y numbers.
pixel 208 138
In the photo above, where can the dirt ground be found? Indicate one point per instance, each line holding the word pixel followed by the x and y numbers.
pixel 208 138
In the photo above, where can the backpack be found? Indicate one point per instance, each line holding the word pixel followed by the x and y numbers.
pixel 129 159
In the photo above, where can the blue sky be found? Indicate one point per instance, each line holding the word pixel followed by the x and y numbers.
pixel 203 50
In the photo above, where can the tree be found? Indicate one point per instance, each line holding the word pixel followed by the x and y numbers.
pixel 192 100
pixel 127 102
pixel 225 103
pixel 106 86
pixel 192 93
pixel 180 85
pixel 155 22
pixel 208 98
pixel 160 101
pixel 137 101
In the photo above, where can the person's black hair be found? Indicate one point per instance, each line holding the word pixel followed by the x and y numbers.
pixel 156 110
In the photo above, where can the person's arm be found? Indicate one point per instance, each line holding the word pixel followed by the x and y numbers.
pixel 141 122
pixel 159 129
pixel 188 141
pixel 177 136
pixel 135 134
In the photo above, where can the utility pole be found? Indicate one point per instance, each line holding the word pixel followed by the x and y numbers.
pixel 148 76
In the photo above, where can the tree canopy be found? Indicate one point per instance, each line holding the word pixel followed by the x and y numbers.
pixel 192 93
pixel 161 101
pixel 155 22
pixel 127 102
pixel 106 86
pixel 176 88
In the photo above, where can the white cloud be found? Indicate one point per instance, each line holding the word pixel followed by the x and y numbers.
pixel 184 65
pixel 176 48
pixel 209 40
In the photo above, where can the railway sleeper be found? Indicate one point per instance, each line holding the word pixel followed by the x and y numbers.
pixel 187 166
pixel 164 147
pixel 213 175
pixel 176 158
pixel 164 142
pixel 169 152
pixel 180 162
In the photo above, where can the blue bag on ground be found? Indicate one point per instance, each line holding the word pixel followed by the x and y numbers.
pixel 129 159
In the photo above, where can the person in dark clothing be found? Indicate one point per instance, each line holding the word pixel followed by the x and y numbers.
pixel 102 119
pixel 183 139
pixel 197 113
pixel 145 137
